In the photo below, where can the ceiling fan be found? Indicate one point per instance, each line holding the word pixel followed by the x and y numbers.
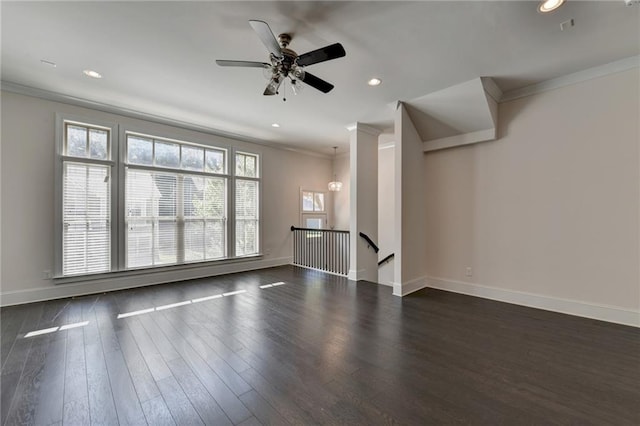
pixel 284 62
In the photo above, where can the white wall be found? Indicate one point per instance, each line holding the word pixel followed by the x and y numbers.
pixel 27 179
pixel 341 199
pixel 386 235
pixel 549 213
pixel 409 224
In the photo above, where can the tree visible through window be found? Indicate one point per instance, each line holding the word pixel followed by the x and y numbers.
pixel 174 216
pixel 312 201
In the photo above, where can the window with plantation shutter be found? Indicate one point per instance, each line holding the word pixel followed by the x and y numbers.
pixel 205 211
pixel 86 200
pixel 246 202
pixel 176 202
pixel 127 200
pixel 151 218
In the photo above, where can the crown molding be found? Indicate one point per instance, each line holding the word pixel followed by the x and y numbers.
pixel 371 130
pixel 491 88
pixel 576 77
pixel 20 89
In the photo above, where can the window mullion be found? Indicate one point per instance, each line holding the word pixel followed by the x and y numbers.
pixel 86 215
pixel 180 221
pixel 231 202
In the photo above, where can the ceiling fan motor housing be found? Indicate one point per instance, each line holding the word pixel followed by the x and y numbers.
pixel 288 60
pixel 284 39
pixel 285 62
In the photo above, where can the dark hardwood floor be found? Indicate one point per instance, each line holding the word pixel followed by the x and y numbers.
pixel 316 350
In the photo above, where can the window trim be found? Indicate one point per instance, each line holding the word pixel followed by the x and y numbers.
pixel 117 149
pixel 232 201
pixel 60 159
pixel 304 213
pixel 178 171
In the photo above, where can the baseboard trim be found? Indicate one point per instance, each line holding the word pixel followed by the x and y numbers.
pixel 402 289
pixel 565 306
pixel 317 269
pixel 62 291
pixel 354 275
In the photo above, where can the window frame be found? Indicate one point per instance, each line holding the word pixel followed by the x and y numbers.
pixel 232 200
pixel 60 158
pixel 122 168
pixel 117 148
pixel 304 214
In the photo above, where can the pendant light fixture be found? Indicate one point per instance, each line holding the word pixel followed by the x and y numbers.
pixel 335 185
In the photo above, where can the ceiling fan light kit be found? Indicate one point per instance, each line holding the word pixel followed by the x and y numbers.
pixel 285 63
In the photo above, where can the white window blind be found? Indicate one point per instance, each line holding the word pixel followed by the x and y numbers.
pixel 151 218
pixel 247 210
pixel 174 216
pixel 176 202
pixel 205 210
pixel 86 200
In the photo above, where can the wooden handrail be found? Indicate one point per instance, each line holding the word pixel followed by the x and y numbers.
pixel 370 242
pixel 294 228
pixel 386 259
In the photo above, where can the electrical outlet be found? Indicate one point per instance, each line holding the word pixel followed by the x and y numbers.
pixel 46 275
pixel 468 271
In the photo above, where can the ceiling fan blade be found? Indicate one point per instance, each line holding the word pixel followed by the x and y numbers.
pixel 267 37
pixel 326 53
pixel 317 83
pixel 225 63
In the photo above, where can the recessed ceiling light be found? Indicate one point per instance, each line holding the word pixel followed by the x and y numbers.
pixel 547 6
pixel 92 73
pixel 374 82
pixel 275 125
pixel 45 62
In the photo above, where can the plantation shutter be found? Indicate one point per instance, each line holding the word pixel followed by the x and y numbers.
pixel 86 217
pixel 246 217
pixel 151 218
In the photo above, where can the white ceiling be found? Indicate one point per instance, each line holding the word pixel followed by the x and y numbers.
pixel 157 58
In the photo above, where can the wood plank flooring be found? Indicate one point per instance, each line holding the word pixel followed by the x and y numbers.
pixel 315 350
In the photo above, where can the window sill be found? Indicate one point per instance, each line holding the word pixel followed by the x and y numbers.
pixel 154 270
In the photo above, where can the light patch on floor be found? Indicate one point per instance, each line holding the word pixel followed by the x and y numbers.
pixel 54 329
pixel 177 304
pixel 272 285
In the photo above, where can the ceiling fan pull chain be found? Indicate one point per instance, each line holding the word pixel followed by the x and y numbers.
pixel 284 90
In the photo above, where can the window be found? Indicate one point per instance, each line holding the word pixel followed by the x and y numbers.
pixel 86 199
pixel 312 201
pixel 246 204
pixel 175 202
pixel 312 209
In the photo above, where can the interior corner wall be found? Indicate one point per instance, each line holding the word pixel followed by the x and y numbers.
pixel 27 198
pixel 386 235
pixel 341 199
pixel 409 213
pixel 550 211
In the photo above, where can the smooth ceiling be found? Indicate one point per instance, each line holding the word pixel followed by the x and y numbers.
pixel 157 58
